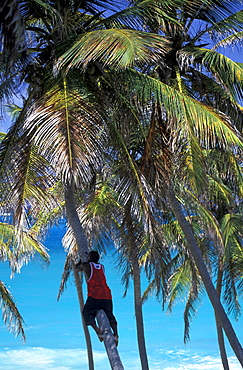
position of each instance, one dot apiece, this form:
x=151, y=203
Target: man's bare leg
x=98, y=331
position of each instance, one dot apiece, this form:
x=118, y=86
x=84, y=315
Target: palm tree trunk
x=220, y=333
x=109, y=342
x=221, y=343
x=86, y=330
x=82, y=244
x=74, y=221
x=139, y=316
x=211, y=291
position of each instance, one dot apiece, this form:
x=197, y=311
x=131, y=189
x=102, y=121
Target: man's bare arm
x=83, y=266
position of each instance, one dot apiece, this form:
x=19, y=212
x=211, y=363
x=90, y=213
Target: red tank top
x=97, y=286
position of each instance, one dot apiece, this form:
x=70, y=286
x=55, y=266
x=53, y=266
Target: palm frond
x=119, y=48
x=231, y=226
x=227, y=72
x=230, y=40
x=206, y=216
x=195, y=165
x=19, y=246
x=147, y=12
x=29, y=180
x=230, y=24
x=207, y=124
x=10, y=313
x=190, y=310
x=71, y=133
x=179, y=283
x=12, y=27
x=68, y=267
x=220, y=191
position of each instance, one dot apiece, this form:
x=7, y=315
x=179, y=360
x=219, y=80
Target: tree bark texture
x=220, y=332
x=109, y=341
x=74, y=221
x=85, y=328
x=81, y=241
x=202, y=269
x=139, y=316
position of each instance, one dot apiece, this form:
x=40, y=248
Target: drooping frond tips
x=10, y=313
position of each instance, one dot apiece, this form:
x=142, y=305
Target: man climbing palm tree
x=99, y=294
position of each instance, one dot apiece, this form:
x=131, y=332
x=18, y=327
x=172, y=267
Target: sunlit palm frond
x=224, y=69
x=179, y=283
x=230, y=24
x=48, y=214
x=71, y=133
x=207, y=124
x=114, y=47
x=29, y=178
x=10, y=313
x=69, y=244
x=231, y=40
x=18, y=247
x=194, y=165
x=210, y=92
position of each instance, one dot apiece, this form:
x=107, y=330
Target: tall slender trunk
x=220, y=333
x=139, y=316
x=86, y=330
x=82, y=244
x=109, y=341
x=74, y=221
x=211, y=291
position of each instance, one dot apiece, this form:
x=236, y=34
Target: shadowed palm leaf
x=10, y=313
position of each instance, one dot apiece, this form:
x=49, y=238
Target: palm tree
x=11, y=315
x=17, y=253
x=18, y=246
x=66, y=101
x=179, y=116
x=227, y=189
x=183, y=117
x=108, y=217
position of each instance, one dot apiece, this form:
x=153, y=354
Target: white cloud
x=39, y=358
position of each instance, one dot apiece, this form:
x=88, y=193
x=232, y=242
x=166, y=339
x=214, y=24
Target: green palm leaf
x=18, y=246
x=70, y=131
x=229, y=40
x=208, y=125
x=233, y=23
x=10, y=313
x=114, y=47
x=228, y=72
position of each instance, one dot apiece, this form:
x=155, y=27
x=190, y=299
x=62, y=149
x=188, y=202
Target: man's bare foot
x=100, y=335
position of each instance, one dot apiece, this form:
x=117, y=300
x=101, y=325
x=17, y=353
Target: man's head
x=94, y=256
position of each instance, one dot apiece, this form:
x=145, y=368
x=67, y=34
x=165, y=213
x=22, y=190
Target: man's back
x=97, y=286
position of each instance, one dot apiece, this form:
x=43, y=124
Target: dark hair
x=94, y=256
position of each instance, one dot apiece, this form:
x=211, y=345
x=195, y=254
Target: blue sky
x=55, y=338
